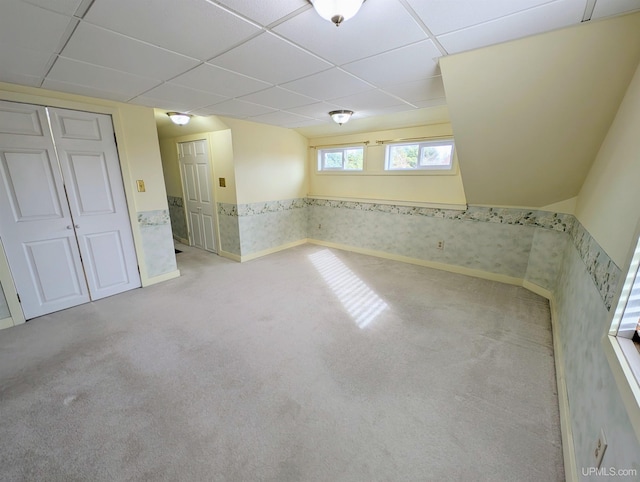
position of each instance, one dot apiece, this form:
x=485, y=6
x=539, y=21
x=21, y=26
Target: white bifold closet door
x=64, y=221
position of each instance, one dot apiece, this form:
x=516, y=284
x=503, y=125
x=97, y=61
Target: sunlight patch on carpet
x=360, y=301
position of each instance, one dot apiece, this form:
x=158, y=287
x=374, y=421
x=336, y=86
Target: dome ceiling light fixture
x=337, y=11
x=341, y=116
x=179, y=118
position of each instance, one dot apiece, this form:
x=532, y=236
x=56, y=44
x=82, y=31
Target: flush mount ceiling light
x=337, y=11
x=178, y=118
x=341, y=116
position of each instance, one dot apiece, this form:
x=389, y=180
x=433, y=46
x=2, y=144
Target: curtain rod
x=343, y=144
x=411, y=139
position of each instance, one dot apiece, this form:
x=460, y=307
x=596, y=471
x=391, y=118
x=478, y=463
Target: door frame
x=207, y=138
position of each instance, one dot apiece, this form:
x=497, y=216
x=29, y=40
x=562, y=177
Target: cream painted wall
x=530, y=115
x=170, y=166
x=270, y=162
x=567, y=206
x=374, y=183
x=609, y=201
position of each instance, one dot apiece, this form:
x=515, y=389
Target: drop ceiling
x=275, y=62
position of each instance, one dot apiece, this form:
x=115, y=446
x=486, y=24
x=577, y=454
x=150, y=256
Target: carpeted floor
x=306, y=365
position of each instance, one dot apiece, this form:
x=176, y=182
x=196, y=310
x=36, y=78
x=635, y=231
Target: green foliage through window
x=421, y=155
x=341, y=159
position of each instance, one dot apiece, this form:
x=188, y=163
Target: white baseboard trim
x=161, y=278
x=568, y=449
x=422, y=262
x=226, y=254
x=259, y=254
x=6, y=323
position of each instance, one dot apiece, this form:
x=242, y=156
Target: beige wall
x=609, y=202
x=270, y=162
x=374, y=183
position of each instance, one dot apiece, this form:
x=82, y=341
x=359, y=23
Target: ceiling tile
x=442, y=16
x=99, y=78
x=368, y=100
x=328, y=85
x=84, y=90
x=607, y=8
x=234, y=108
x=419, y=90
x=177, y=97
x=279, y=98
x=319, y=110
x=413, y=62
x=384, y=110
x=560, y=13
x=270, y=59
x=22, y=79
x=124, y=53
x=31, y=27
x=67, y=7
x=280, y=118
x=214, y=79
x=197, y=28
x=265, y=13
x=366, y=34
x=24, y=62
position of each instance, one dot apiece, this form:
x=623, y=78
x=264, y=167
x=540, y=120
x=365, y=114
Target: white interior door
x=64, y=221
x=35, y=221
x=196, y=183
x=86, y=148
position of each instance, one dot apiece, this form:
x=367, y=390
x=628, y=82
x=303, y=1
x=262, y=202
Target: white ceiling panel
x=24, y=62
x=67, y=7
x=278, y=98
x=195, y=28
x=234, y=108
x=22, y=79
x=99, y=78
x=419, y=90
x=442, y=16
x=265, y=13
x=124, y=53
x=607, y=8
x=30, y=27
x=328, y=85
x=551, y=16
x=377, y=111
x=72, y=88
x=413, y=62
x=378, y=27
x=319, y=110
x=368, y=100
x=177, y=97
x=270, y=59
x=210, y=78
x=280, y=118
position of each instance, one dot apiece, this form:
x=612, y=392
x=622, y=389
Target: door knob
x=74, y=226
x=69, y=227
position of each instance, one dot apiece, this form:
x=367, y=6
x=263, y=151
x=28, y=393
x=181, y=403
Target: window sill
x=624, y=361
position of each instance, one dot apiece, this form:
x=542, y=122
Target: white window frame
x=620, y=349
x=421, y=145
x=320, y=159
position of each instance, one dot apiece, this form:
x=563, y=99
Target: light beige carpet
x=306, y=365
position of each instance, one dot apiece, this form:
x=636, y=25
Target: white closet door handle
x=74, y=226
x=69, y=227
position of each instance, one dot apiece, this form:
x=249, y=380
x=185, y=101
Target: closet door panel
x=35, y=221
x=91, y=169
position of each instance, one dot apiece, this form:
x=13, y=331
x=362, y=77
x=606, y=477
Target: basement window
x=621, y=343
x=420, y=156
x=350, y=158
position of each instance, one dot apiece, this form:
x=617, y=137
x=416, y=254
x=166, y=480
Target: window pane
x=354, y=159
x=333, y=160
x=403, y=157
x=439, y=156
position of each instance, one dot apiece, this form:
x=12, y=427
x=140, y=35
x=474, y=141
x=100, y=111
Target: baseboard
x=568, y=450
x=181, y=240
x=161, y=278
x=226, y=254
x=476, y=273
x=6, y=323
x=259, y=254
